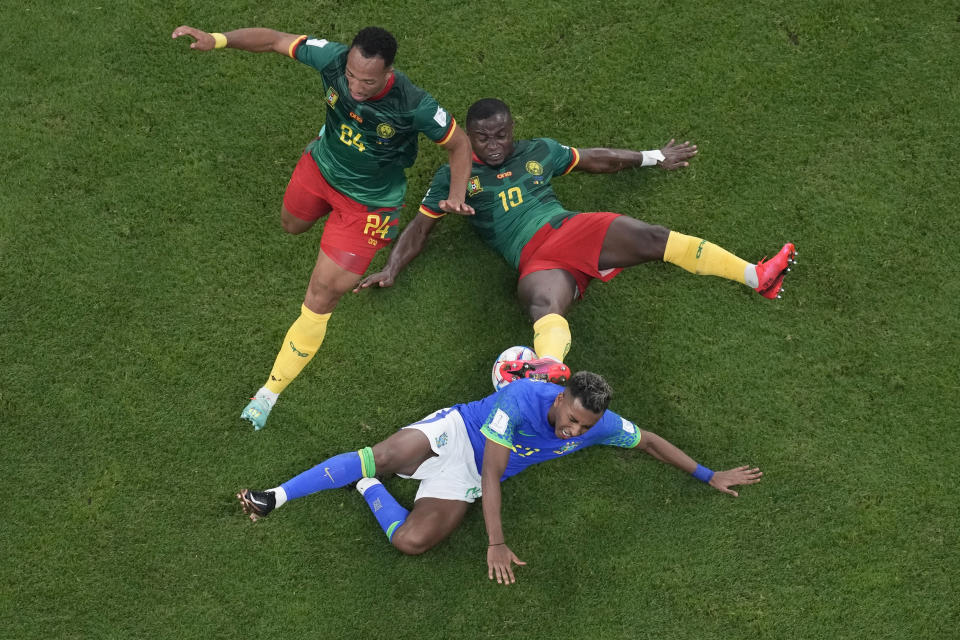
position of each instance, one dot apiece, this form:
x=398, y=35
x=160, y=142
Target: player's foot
x=257, y=504
x=546, y=369
x=774, y=291
x=770, y=272
x=256, y=413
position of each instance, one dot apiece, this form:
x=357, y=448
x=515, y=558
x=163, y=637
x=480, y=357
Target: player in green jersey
x=352, y=174
x=557, y=251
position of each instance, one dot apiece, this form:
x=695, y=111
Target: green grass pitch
x=146, y=284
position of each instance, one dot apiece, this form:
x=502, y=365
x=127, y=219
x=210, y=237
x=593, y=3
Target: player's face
x=492, y=138
x=569, y=418
x=366, y=77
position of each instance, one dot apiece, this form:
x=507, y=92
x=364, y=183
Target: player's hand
x=675, y=156
x=381, y=279
x=723, y=480
x=203, y=40
x=456, y=206
x=500, y=560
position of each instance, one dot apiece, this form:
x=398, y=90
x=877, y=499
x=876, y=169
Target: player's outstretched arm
x=602, y=160
x=409, y=245
x=666, y=452
x=500, y=558
x=459, y=155
x=255, y=39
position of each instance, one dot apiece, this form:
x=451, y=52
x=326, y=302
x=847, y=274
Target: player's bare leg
x=292, y=224
x=430, y=522
x=630, y=242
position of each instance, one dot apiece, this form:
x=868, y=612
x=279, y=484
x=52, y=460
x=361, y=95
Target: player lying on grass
x=558, y=252
x=464, y=452
x=352, y=174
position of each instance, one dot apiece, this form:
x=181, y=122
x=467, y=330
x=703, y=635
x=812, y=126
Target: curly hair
x=374, y=41
x=591, y=390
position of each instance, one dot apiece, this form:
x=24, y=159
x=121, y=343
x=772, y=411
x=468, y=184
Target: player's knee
x=540, y=306
x=411, y=542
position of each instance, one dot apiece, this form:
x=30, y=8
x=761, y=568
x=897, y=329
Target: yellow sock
x=704, y=258
x=551, y=337
x=302, y=341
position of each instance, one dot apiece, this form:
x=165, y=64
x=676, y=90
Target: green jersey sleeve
x=432, y=120
x=561, y=158
x=317, y=52
x=439, y=189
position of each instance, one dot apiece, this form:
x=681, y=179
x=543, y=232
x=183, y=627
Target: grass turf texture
x=147, y=286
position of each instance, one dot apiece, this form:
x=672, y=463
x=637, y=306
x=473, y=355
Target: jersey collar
x=386, y=88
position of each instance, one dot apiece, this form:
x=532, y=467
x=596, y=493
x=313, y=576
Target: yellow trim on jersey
x=576, y=161
x=431, y=214
x=293, y=46
x=446, y=138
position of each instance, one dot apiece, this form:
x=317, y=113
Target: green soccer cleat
x=256, y=413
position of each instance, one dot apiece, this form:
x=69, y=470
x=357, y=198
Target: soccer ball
x=513, y=353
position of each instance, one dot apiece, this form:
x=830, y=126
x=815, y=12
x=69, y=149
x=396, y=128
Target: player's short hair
x=486, y=108
x=373, y=42
x=591, y=390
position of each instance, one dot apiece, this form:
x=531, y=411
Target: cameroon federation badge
x=473, y=186
x=535, y=168
x=332, y=97
x=385, y=131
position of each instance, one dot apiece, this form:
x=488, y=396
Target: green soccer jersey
x=364, y=147
x=514, y=200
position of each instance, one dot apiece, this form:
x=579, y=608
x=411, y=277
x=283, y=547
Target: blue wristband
x=702, y=474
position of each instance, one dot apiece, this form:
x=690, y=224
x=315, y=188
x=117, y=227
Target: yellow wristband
x=219, y=40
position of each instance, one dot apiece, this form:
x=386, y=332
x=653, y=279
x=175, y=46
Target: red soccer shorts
x=574, y=247
x=354, y=232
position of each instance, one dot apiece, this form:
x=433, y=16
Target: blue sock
x=386, y=509
x=338, y=471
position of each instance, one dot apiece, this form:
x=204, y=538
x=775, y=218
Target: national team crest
x=473, y=186
x=385, y=131
x=567, y=446
x=535, y=168
x=332, y=97
x=441, y=440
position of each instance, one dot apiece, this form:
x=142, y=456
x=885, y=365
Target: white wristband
x=650, y=158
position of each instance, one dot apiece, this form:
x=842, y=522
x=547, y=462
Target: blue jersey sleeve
x=503, y=421
x=620, y=432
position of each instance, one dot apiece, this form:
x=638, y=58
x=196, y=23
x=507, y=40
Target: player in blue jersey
x=463, y=452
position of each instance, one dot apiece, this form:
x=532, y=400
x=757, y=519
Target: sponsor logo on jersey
x=385, y=131
x=472, y=492
x=442, y=440
x=356, y=117
x=440, y=117
x=473, y=186
x=505, y=174
x=332, y=97
x=535, y=168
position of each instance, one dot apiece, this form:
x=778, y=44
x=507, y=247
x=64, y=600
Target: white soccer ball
x=513, y=353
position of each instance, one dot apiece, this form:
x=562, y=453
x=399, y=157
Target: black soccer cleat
x=257, y=504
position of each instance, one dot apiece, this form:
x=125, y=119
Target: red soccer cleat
x=770, y=273
x=546, y=369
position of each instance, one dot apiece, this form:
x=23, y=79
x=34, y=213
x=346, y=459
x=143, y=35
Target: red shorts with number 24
x=354, y=232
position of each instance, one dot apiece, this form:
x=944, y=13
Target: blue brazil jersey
x=516, y=417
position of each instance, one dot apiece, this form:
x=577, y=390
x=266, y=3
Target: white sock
x=265, y=394
x=280, y=495
x=365, y=483
x=750, y=276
